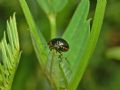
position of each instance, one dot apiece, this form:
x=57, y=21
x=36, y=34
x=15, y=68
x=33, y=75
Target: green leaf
x=79, y=16
x=10, y=55
x=52, y=6
x=78, y=45
x=90, y=46
x=80, y=28
x=58, y=77
x=37, y=38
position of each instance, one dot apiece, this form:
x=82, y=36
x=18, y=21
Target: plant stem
x=52, y=19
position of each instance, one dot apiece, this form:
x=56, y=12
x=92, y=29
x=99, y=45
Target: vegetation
x=79, y=26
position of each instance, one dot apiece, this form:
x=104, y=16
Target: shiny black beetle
x=59, y=44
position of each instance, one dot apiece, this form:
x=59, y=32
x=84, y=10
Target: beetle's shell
x=58, y=44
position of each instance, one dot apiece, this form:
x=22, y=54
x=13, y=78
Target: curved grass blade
x=77, y=27
x=78, y=18
x=77, y=45
x=95, y=31
x=80, y=27
x=37, y=38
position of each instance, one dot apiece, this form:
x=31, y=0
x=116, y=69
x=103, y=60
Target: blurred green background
x=103, y=71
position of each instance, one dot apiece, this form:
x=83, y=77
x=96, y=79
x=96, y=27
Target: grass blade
x=95, y=31
x=79, y=16
x=38, y=39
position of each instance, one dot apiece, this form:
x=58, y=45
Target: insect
x=59, y=44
